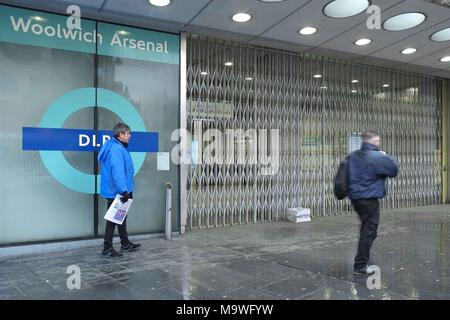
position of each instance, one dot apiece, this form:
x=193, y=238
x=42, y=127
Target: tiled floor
x=264, y=261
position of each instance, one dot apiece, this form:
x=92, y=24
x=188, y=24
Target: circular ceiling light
x=443, y=35
x=228, y=64
x=385, y=85
x=345, y=8
x=445, y=59
x=354, y=91
x=249, y=79
x=241, y=17
x=306, y=31
x=404, y=21
x=354, y=81
x=409, y=51
x=159, y=3
x=317, y=76
x=323, y=87
x=204, y=73
x=363, y=42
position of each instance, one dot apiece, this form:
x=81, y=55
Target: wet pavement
x=282, y=260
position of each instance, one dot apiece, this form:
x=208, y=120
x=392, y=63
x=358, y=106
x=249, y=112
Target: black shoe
x=111, y=253
x=363, y=271
x=129, y=247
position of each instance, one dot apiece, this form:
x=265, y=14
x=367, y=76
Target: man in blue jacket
x=367, y=170
x=117, y=178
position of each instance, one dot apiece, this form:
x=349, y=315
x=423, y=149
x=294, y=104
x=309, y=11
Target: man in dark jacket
x=367, y=171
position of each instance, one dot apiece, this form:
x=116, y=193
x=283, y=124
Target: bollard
x=168, y=211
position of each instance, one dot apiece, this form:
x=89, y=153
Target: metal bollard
x=168, y=211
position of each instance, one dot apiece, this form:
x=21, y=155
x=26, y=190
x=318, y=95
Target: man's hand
x=124, y=197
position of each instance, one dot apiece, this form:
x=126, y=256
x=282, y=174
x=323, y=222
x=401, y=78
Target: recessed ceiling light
x=241, y=17
x=354, y=81
x=445, y=59
x=159, y=3
x=249, y=79
x=404, y=21
x=204, y=73
x=345, y=8
x=409, y=50
x=385, y=85
x=228, y=64
x=323, y=87
x=306, y=31
x=354, y=91
x=363, y=42
x=317, y=76
x=443, y=35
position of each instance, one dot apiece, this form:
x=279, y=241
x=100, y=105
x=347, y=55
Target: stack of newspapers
x=298, y=215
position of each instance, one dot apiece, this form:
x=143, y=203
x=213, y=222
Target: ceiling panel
x=432, y=60
x=179, y=10
x=311, y=15
x=420, y=41
x=56, y=5
x=264, y=15
x=382, y=38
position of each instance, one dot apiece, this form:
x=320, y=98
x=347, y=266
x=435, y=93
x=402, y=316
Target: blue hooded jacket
x=367, y=171
x=117, y=169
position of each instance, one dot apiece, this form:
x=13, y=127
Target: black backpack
x=340, y=181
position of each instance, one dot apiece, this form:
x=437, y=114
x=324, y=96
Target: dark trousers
x=369, y=214
x=110, y=228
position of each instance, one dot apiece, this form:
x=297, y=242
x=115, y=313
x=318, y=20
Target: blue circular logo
x=62, y=109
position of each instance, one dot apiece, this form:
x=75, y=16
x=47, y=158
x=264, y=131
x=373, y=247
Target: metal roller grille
x=267, y=89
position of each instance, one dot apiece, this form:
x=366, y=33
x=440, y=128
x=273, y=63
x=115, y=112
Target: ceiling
x=276, y=25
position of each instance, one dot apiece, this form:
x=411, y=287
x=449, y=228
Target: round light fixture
x=317, y=76
x=354, y=91
x=409, y=51
x=443, y=35
x=204, y=73
x=355, y=81
x=404, y=21
x=363, y=42
x=248, y=79
x=159, y=3
x=306, y=31
x=323, y=87
x=345, y=8
x=385, y=85
x=228, y=64
x=241, y=17
x=445, y=59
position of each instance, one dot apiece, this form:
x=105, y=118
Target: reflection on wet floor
x=279, y=260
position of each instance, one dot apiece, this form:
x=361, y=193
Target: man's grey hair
x=369, y=135
x=120, y=128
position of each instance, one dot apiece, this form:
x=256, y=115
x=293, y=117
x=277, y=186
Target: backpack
x=340, y=181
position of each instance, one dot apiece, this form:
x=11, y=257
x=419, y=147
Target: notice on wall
x=354, y=142
x=163, y=161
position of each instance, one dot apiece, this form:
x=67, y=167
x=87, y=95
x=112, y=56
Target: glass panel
x=37, y=207
x=152, y=88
